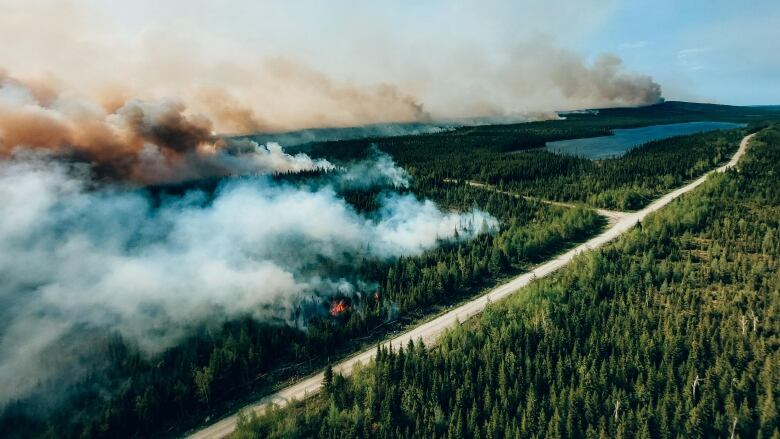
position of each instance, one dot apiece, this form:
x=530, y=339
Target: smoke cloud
x=82, y=251
x=107, y=258
x=142, y=141
x=281, y=80
x=531, y=78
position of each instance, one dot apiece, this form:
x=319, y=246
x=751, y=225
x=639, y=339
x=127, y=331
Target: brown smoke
x=345, y=104
x=229, y=113
x=604, y=83
x=279, y=95
x=121, y=143
x=278, y=86
x=165, y=125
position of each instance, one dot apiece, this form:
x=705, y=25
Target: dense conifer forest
x=672, y=331
x=219, y=368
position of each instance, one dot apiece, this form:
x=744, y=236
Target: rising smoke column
x=531, y=80
x=77, y=254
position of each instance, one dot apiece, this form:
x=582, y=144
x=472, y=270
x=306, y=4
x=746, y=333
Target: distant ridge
x=691, y=109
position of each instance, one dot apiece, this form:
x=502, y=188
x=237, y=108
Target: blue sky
x=723, y=51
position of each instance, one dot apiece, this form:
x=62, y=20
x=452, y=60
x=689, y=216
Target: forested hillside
x=672, y=331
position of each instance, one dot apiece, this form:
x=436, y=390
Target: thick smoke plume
x=288, y=80
x=530, y=79
x=530, y=82
x=84, y=252
x=147, y=142
x=75, y=256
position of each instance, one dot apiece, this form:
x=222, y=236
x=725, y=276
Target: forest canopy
x=674, y=330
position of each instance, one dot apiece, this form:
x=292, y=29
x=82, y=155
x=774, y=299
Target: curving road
x=430, y=331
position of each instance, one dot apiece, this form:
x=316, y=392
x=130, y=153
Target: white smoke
x=244, y=156
x=110, y=259
x=410, y=226
x=379, y=169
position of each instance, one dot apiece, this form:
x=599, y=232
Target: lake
x=622, y=140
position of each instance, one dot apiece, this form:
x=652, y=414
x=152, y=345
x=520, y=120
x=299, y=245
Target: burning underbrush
x=340, y=307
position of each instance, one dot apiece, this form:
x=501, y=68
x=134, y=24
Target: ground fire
x=339, y=307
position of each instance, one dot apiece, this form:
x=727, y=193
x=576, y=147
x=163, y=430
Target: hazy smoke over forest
x=74, y=256
x=279, y=95
x=83, y=246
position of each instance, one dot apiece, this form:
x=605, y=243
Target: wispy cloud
x=692, y=59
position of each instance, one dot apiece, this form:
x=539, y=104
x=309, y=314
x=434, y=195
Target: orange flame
x=338, y=307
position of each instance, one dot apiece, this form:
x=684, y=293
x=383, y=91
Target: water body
x=622, y=140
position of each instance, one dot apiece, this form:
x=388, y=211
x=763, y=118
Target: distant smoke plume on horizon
x=521, y=88
x=240, y=91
